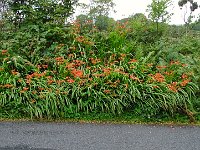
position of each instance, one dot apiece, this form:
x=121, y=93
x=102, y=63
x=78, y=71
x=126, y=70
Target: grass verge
x=105, y=118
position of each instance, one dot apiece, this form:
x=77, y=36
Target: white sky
x=125, y=8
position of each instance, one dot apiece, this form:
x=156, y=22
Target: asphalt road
x=76, y=136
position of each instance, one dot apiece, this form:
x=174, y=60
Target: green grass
x=105, y=118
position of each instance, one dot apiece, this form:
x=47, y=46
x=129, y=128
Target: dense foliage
x=50, y=69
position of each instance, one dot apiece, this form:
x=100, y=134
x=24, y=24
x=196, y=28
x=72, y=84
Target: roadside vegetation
x=138, y=68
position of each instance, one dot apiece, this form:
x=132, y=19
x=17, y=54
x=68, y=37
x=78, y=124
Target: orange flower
x=33, y=101
x=59, y=82
x=89, y=43
x=59, y=60
x=132, y=61
x=98, y=75
x=173, y=86
x=50, y=81
x=82, y=82
x=3, y=52
x=134, y=78
x=39, y=66
x=8, y=85
x=40, y=89
x=184, y=76
x=184, y=82
x=49, y=77
x=175, y=63
x=94, y=61
x=24, y=90
x=161, y=67
x=159, y=77
x=60, y=46
x=150, y=65
x=106, y=91
x=19, y=80
x=29, y=76
x=14, y=72
x=28, y=81
x=35, y=74
x=45, y=66
x=184, y=65
x=34, y=92
x=71, y=56
x=113, y=63
x=122, y=56
x=1, y=69
x=70, y=65
x=90, y=79
x=82, y=53
x=70, y=80
x=80, y=39
x=132, y=67
x=72, y=48
x=88, y=67
x=168, y=73
x=155, y=87
x=107, y=71
x=78, y=63
x=77, y=73
x=126, y=86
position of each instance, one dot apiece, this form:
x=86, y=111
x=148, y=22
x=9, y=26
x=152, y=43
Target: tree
x=98, y=11
x=101, y=7
x=158, y=11
x=3, y=8
x=40, y=11
x=104, y=23
x=192, y=7
x=138, y=16
x=188, y=15
x=86, y=23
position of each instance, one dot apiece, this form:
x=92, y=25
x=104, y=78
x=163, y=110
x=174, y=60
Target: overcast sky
x=125, y=8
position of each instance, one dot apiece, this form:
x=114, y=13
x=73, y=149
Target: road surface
x=77, y=136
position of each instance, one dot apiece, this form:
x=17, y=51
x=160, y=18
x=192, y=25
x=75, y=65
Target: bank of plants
x=82, y=75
